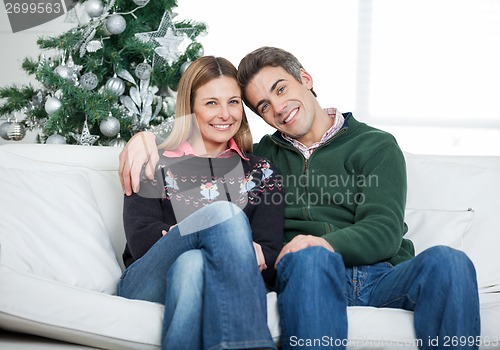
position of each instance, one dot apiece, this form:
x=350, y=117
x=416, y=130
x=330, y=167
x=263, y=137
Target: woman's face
x=219, y=110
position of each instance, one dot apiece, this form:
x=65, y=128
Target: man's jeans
x=204, y=270
x=314, y=289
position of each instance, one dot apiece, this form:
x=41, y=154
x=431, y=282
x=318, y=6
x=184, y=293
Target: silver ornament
x=64, y=72
x=110, y=126
x=169, y=105
x=4, y=130
x=116, y=24
x=16, y=131
x=94, y=8
x=115, y=86
x=89, y=81
x=56, y=139
x=118, y=142
x=143, y=71
x=184, y=66
x=52, y=105
x=141, y=2
x=197, y=47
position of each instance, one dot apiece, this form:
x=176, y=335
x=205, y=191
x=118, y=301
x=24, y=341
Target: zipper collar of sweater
x=278, y=138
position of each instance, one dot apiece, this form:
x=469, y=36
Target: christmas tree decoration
x=116, y=24
x=52, y=105
x=56, y=139
x=115, y=86
x=143, y=71
x=89, y=81
x=16, y=131
x=184, y=66
x=4, y=129
x=85, y=138
x=166, y=40
x=94, y=8
x=110, y=126
x=118, y=142
x=84, y=74
x=141, y=2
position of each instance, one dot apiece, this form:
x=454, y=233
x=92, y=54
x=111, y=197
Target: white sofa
x=61, y=240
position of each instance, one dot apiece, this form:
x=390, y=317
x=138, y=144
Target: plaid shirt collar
x=338, y=121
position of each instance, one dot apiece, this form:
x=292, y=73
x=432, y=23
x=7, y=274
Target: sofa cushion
x=431, y=227
x=51, y=228
x=458, y=183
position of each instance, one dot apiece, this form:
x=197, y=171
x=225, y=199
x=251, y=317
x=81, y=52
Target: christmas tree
x=108, y=78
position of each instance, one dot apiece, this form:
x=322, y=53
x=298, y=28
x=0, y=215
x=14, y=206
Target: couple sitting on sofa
x=191, y=227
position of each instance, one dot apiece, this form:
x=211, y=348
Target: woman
x=204, y=235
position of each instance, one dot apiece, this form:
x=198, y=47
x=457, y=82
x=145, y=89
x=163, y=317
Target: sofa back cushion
x=461, y=184
x=53, y=225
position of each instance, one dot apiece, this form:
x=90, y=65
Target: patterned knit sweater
x=184, y=184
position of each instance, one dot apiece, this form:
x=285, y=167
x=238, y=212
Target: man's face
x=283, y=102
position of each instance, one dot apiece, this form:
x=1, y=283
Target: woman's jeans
x=204, y=271
x=314, y=288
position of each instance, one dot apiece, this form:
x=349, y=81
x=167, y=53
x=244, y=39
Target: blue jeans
x=439, y=285
x=226, y=309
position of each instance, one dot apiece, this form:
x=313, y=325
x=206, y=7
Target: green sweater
x=351, y=192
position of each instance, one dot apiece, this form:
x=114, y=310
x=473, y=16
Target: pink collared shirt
x=185, y=149
x=338, y=121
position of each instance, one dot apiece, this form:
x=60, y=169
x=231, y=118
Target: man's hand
x=301, y=242
x=261, y=261
x=141, y=149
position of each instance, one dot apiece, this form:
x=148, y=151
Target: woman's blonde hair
x=199, y=73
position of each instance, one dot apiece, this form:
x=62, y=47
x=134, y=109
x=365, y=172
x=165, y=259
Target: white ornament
x=115, y=86
x=184, y=66
x=4, y=130
x=85, y=139
x=141, y=2
x=110, y=126
x=89, y=81
x=64, y=72
x=16, y=131
x=118, y=142
x=167, y=39
x=52, y=105
x=143, y=71
x=116, y=24
x=94, y=8
x=56, y=139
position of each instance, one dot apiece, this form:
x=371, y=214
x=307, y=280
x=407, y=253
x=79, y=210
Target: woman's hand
x=261, y=261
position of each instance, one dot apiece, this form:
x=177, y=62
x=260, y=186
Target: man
x=345, y=196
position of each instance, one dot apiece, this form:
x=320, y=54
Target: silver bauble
x=89, y=81
x=64, y=72
x=94, y=8
x=169, y=105
x=141, y=2
x=200, y=51
x=184, y=66
x=115, y=86
x=110, y=126
x=4, y=130
x=143, y=71
x=56, y=139
x=118, y=142
x=116, y=24
x=16, y=131
x=52, y=105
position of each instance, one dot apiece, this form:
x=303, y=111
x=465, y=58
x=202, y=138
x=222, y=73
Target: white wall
x=425, y=70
